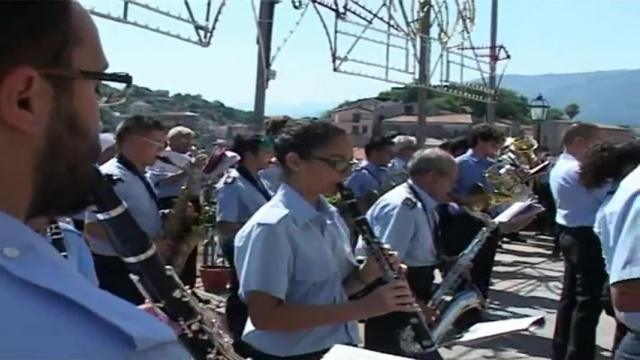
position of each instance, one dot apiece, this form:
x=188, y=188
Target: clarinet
x=416, y=339
x=200, y=333
x=55, y=234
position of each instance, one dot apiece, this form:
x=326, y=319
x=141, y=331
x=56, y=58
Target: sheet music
x=487, y=330
x=344, y=352
x=519, y=210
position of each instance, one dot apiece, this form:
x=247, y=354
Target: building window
x=365, y=129
x=357, y=117
x=355, y=130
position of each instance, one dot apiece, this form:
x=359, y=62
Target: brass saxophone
x=470, y=298
x=181, y=231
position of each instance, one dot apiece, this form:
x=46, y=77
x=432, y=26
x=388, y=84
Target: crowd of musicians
x=303, y=279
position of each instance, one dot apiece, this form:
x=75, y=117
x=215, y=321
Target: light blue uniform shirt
x=78, y=253
x=405, y=223
x=576, y=206
x=272, y=177
x=471, y=169
x=301, y=255
x=141, y=205
x=238, y=198
x=618, y=227
x=366, y=179
x=49, y=311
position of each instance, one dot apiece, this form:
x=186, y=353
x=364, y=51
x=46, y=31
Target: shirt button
x=11, y=252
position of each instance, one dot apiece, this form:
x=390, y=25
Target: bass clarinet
x=201, y=333
x=415, y=339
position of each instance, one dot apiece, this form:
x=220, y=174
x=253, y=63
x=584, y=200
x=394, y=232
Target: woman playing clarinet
x=294, y=259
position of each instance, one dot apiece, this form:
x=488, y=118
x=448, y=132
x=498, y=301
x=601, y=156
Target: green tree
x=572, y=110
x=555, y=114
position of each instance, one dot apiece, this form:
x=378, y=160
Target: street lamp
x=539, y=110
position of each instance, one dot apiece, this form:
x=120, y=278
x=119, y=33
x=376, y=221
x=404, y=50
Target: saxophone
x=416, y=338
x=201, y=330
x=449, y=312
x=183, y=233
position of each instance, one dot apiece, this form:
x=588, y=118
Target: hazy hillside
x=604, y=96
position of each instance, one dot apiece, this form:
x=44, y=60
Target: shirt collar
x=567, y=157
x=425, y=198
x=17, y=230
x=301, y=210
x=474, y=156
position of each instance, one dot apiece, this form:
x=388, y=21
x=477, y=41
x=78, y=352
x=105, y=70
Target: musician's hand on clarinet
x=371, y=270
x=430, y=314
x=391, y=297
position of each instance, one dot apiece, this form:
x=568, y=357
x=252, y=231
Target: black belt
x=575, y=228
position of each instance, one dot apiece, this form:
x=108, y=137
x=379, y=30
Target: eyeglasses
x=338, y=164
x=112, y=90
x=158, y=144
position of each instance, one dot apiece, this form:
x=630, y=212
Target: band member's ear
x=294, y=162
x=24, y=99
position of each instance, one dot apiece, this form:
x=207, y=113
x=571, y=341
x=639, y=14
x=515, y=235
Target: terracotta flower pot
x=216, y=278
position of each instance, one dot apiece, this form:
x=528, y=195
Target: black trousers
x=113, y=276
x=382, y=333
x=236, y=311
x=581, y=299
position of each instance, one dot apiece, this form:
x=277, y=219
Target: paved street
x=527, y=282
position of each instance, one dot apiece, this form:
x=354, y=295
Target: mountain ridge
x=606, y=96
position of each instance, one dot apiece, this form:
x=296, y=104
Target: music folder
x=479, y=332
x=344, y=352
x=491, y=329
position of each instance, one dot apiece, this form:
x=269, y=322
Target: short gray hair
x=180, y=130
x=427, y=160
x=403, y=142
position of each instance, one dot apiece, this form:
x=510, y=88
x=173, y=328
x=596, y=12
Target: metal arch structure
x=203, y=29
x=381, y=41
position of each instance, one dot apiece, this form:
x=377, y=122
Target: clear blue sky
x=543, y=36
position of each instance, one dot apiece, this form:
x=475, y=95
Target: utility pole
x=493, y=60
x=263, y=73
x=424, y=71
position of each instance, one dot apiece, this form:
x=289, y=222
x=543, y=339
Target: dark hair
x=604, y=162
x=485, y=133
x=377, y=144
x=459, y=145
x=35, y=33
x=304, y=138
x=274, y=125
x=137, y=125
x=243, y=144
x=579, y=130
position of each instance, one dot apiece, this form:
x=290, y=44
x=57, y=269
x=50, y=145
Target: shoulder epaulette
x=113, y=179
x=230, y=177
x=409, y=202
x=273, y=216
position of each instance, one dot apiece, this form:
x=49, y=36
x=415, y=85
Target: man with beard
x=51, y=65
x=139, y=140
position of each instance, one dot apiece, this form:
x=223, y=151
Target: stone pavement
x=526, y=281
